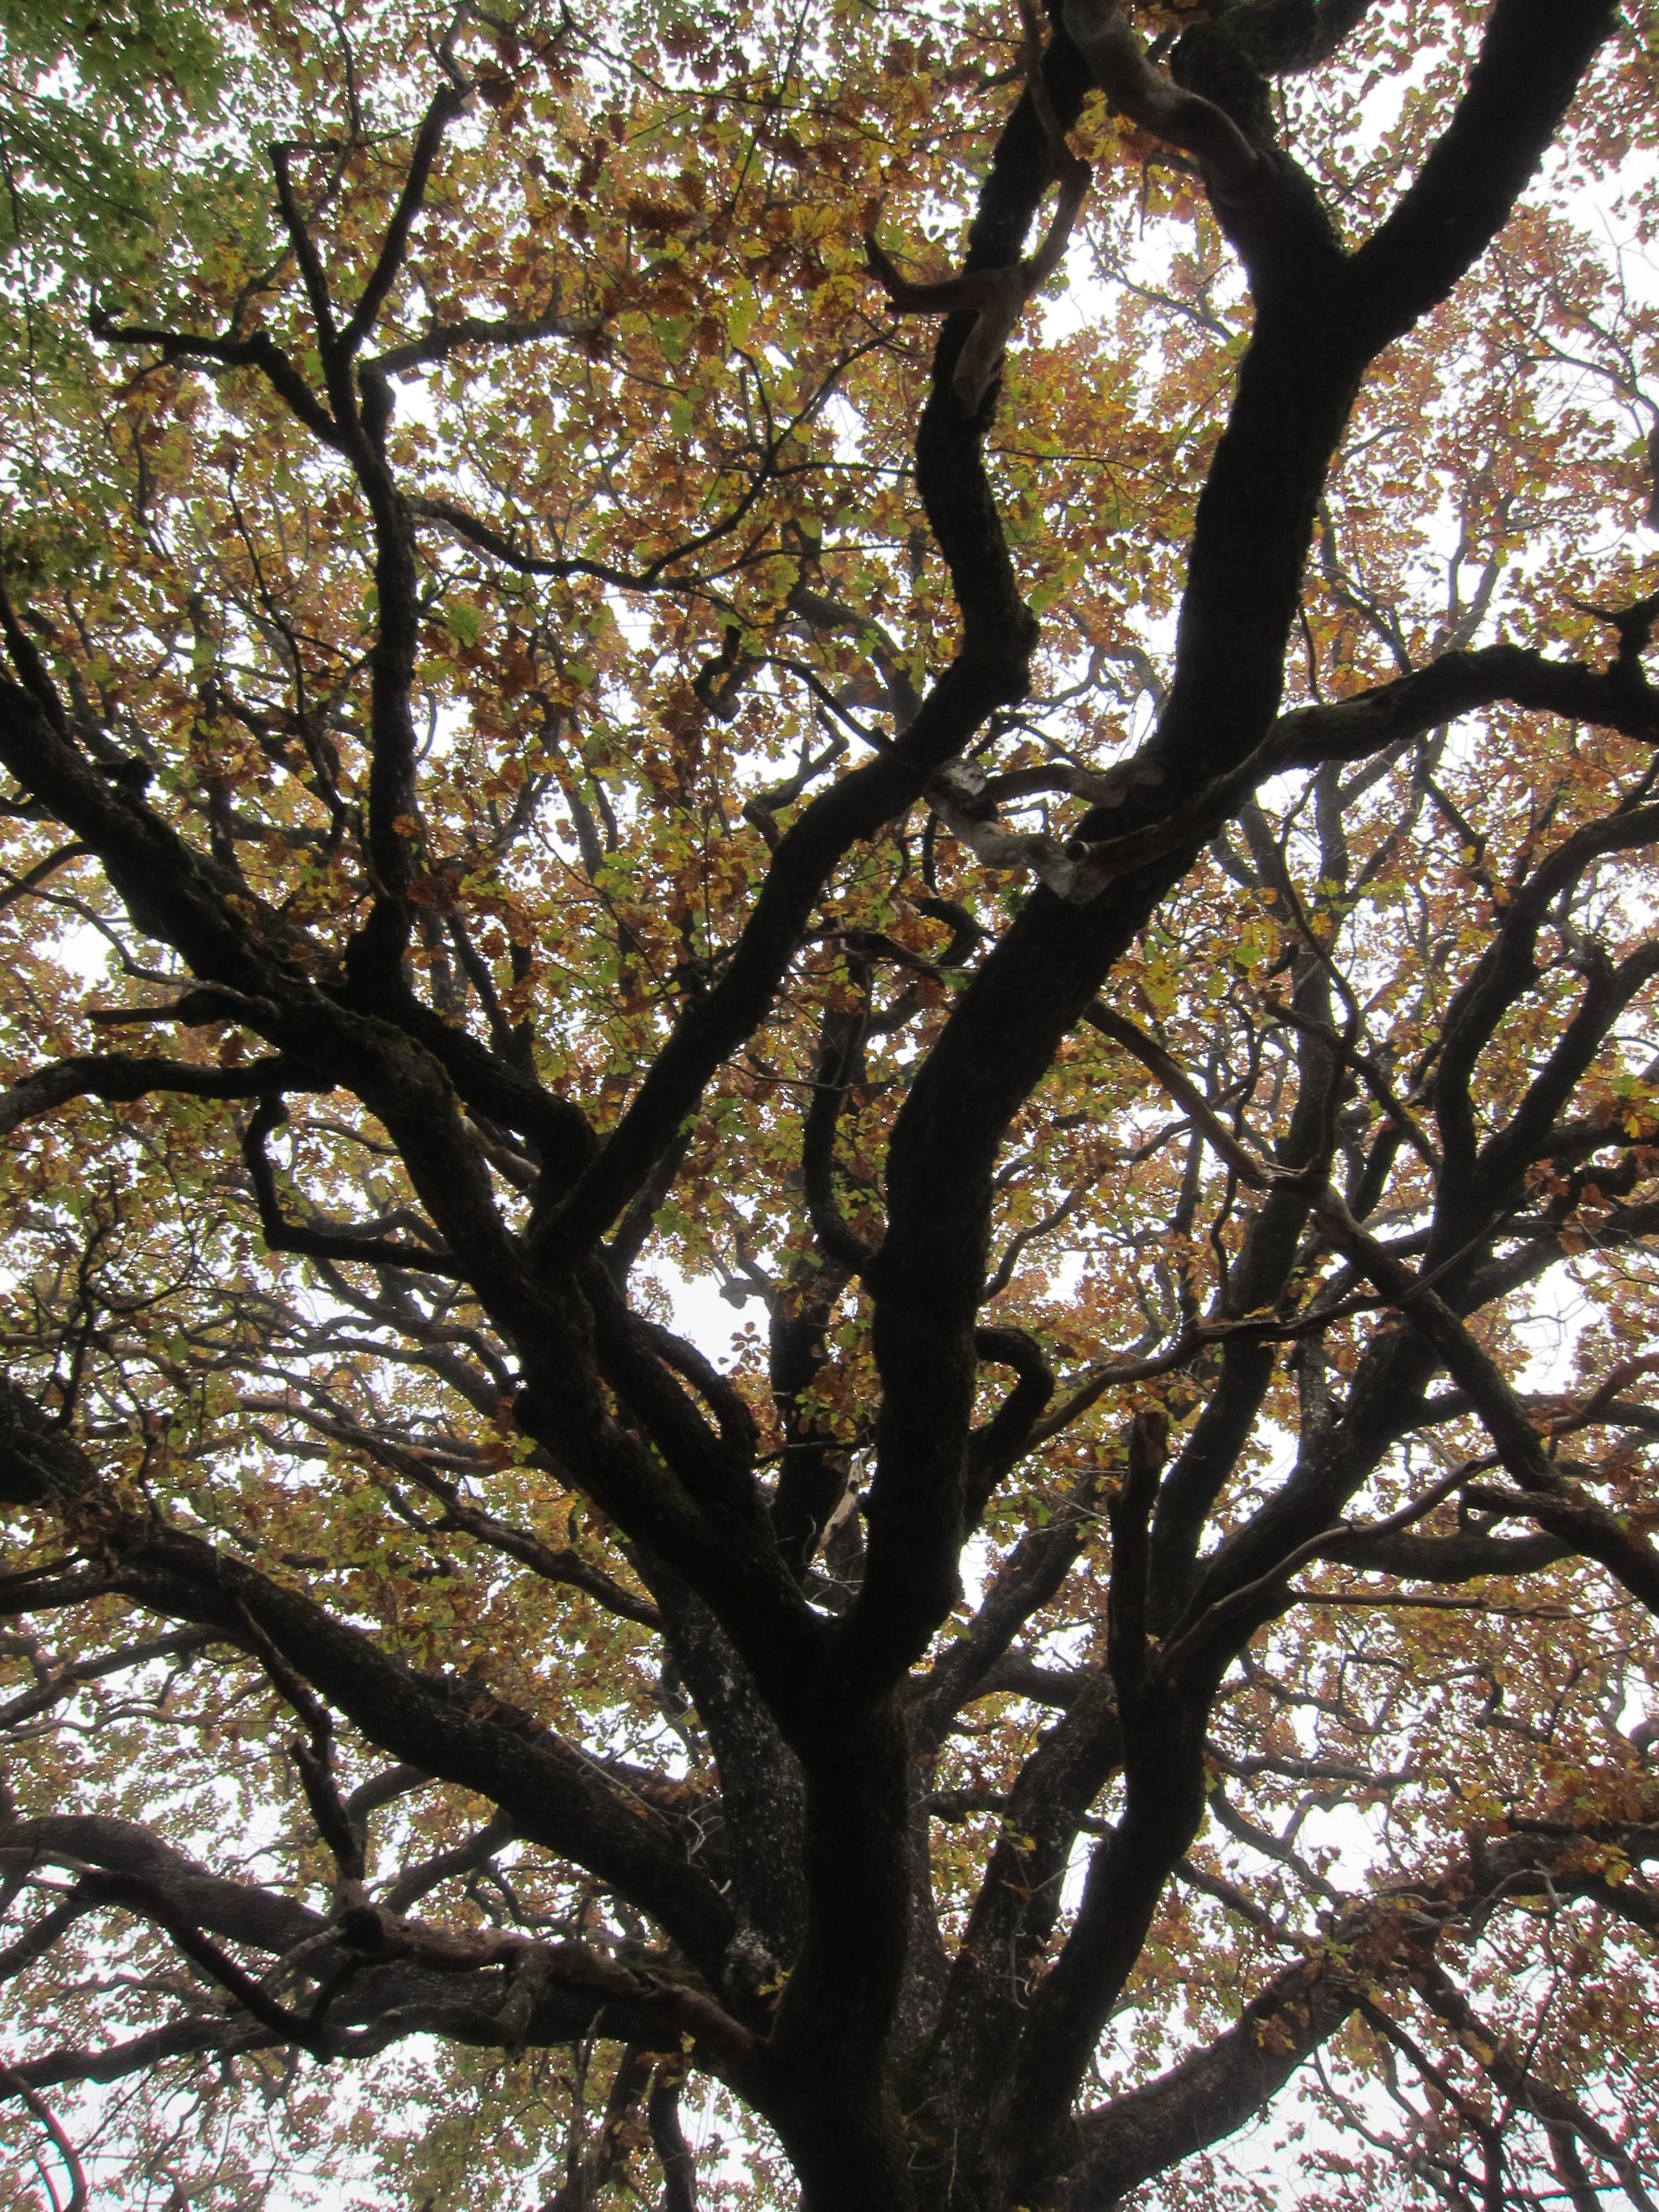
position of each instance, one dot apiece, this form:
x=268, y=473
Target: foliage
x=590, y=733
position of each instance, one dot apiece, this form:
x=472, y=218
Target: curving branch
x=1135, y=87
x=997, y=298
x=1533, y=59
x=13, y=2084
x=337, y=1243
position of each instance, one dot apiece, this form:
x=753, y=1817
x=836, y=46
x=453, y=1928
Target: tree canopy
x=832, y=1141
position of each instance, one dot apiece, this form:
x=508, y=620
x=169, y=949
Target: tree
x=1085, y=853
